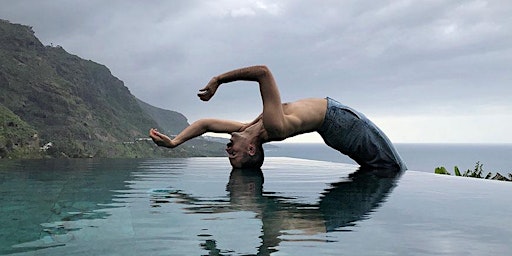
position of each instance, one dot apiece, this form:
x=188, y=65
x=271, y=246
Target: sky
x=423, y=71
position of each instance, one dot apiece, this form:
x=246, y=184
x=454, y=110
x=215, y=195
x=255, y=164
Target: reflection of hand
x=160, y=139
x=209, y=90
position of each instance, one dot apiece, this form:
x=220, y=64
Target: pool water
x=199, y=206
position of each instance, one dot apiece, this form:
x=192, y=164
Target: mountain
x=170, y=122
x=55, y=104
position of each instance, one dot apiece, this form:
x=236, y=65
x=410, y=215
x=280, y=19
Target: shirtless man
x=341, y=127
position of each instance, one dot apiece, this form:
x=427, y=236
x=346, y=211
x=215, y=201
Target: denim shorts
x=354, y=135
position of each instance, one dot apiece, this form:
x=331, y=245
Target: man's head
x=245, y=186
x=245, y=152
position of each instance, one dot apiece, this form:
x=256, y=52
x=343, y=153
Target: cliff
x=55, y=104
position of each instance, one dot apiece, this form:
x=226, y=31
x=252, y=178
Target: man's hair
x=255, y=161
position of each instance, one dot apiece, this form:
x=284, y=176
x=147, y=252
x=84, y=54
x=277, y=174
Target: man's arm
x=195, y=129
x=273, y=115
x=257, y=119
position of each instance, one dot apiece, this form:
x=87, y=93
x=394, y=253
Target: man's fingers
x=155, y=135
x=205, y=96
x=153, y=132
x=203, y=91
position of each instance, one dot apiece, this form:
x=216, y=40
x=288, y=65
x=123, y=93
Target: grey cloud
x=379, y=56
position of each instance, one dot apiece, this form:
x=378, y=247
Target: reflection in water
x=182, y=207
x=349, y=201
x=340, y=206
x=41, y=199
x=59, y=207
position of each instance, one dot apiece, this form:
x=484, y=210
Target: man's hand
x=161, y=139
x=209, y=90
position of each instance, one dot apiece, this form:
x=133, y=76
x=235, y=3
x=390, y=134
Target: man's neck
x=257, y=131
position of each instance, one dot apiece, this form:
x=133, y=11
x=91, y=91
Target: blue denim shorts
x=354, y=135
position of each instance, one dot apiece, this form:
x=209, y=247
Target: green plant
x=442, y=170
x=475, y=173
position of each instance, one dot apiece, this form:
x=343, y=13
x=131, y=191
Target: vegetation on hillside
x=17, y=138
x=55, y=104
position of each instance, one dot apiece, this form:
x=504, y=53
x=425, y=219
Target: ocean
x=418, y=157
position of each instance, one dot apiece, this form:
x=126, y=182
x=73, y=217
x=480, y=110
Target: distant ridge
x=170, y=122
x=55, y=104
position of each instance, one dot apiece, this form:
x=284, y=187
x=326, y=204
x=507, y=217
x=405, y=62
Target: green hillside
x=78, y=106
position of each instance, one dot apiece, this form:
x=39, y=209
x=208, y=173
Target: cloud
x=390, y=59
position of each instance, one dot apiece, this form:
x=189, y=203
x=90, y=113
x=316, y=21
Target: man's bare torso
x=302, y=116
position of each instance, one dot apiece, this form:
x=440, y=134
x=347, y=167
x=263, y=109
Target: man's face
x=236, y=149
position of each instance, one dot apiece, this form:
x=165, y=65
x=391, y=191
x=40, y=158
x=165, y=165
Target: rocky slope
x=55, y=104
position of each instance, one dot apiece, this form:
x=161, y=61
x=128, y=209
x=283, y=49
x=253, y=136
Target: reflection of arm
x=196, y=129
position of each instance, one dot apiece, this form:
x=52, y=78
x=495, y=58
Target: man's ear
x=252, y=150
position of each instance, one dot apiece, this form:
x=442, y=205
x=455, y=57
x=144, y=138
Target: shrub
x=475, y=173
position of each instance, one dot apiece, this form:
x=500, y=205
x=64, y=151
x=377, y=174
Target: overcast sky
x=424, y=71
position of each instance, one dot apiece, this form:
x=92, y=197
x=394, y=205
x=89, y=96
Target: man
x=341, y=127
